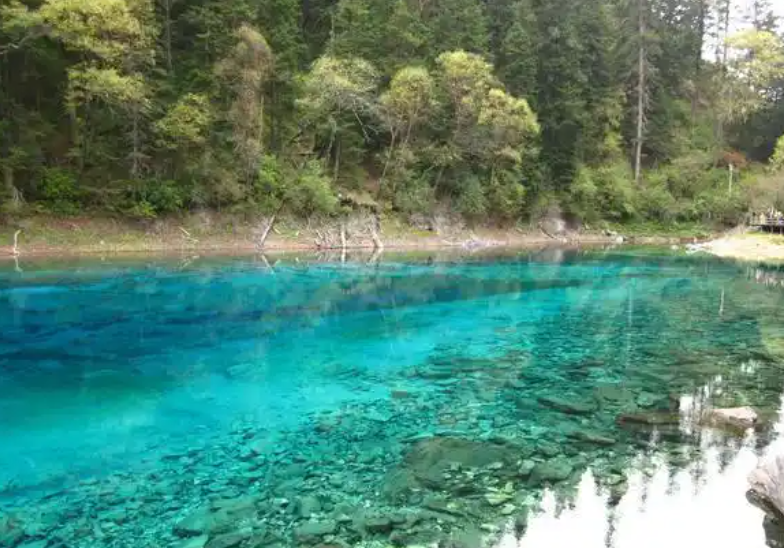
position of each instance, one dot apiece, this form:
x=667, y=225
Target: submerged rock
x=308, y=506
x=649, y=419
x=647, y=400
x=375, y=524
x=589, y=436
x=442, y=506
x=314, y=530
x=195, y=542
x=35, y=544
x=400, y=394
x=774, y=532
x=548, y=449
x=569, y=406
x=497, y=498
x=431, y=462
x=736, y=417
x=230, y=540
x=204, y=521
x=553, y=471
x=11, y=532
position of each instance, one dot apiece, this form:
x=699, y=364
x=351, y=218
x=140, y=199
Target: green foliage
x=164, y=196
x=335, y=85
x=757, y=62
x=505, y=127
x=517, y=56
x=88, y=83
x=150, y=198
x=764, y=190
x=338, y=96
x=654, y=200
x=471, y=201
x=409, y=100
x=505, y=196
x=141, y=210
x=303, y=190
x=311, y=192
x=269, y=188
x=59, y=191
x=105, y=28
x=496, y=109
x=777, y=160
x=186, y=122
x=603, y=192
x=413, y=194
x=466, y=78
x=244, y=73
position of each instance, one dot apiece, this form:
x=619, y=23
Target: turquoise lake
x=540, y=399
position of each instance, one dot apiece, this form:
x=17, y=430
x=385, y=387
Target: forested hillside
x=497, y=110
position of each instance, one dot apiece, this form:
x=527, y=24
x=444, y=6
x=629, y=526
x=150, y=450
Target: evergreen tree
x=145, y=107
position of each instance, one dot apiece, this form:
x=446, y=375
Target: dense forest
x=494, y=110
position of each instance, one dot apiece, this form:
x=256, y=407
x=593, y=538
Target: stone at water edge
x=766, y=488
x=738, y=417
x=774, y=533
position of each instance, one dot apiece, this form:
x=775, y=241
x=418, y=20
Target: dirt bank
x=216, y=233
x=42, y=236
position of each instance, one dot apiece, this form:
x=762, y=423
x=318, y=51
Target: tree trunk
x=167, y=36
x=135, y=142
x=701, y=20
x=731, y=177
x=15, y=250
x=726, y=33
x=722, y=53
x=267, y=229
x=641, y=68
x=336, y=170
x=375, y=228
x=8, y=182
x=343, y=244
x=388, y=160
x=76, y=136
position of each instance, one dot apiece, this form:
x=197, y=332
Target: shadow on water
x=539, y=399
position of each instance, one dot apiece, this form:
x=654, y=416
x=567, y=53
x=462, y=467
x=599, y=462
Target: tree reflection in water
x=701, y=505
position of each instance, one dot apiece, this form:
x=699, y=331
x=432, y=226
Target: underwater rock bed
x=405, y=405
x=426, y=465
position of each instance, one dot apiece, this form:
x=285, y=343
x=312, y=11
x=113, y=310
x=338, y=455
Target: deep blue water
x=474, y=400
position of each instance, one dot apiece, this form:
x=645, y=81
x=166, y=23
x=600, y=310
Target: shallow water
x=498, y=401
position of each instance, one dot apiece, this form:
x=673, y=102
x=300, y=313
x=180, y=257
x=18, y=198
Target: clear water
x=472, y=401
